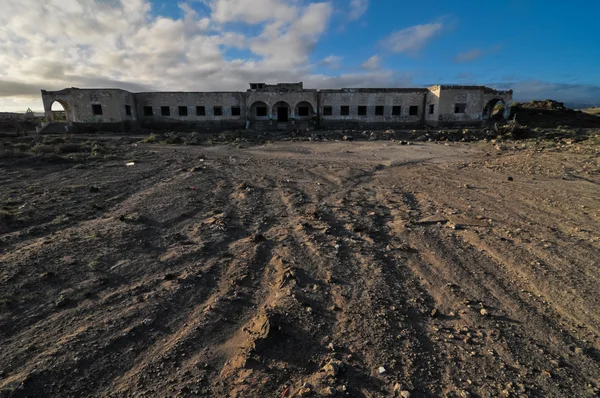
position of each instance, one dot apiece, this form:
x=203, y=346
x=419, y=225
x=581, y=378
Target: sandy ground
x=362, y=269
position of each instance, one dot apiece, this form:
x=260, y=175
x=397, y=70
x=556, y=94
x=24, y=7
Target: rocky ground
x=288, y=269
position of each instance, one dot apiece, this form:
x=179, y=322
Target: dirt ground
x=362, y=269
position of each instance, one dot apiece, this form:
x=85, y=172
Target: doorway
x=282, y=114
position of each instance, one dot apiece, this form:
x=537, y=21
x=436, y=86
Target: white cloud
x=357, y=9
x=411, y=40
x=332, y=62
x=125, y=44
x=372, y=63
x=476, y=53
x=252, y=12
x=469, y=55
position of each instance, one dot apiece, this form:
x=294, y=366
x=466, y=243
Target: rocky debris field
x=300, y=269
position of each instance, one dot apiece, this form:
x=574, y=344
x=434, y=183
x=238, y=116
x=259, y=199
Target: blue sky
x=541, y=49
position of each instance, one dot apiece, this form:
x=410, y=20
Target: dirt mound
x=550, y=114
x=548, y=104
x=300, y=269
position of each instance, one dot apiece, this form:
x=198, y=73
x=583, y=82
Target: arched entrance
x=258, y=111
x=495, y=109
x=304, y=111
x=281, y=110
x=59, y=111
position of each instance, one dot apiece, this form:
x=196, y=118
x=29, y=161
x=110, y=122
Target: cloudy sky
x=540, y=48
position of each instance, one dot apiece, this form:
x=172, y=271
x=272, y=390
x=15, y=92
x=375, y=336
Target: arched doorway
x=258, y=111
x=59, y=111
x=281, y=110
x=495, y=109
x=304, y=111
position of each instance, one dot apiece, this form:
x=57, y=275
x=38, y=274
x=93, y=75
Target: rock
x=381, y=370
x=510, y=178
x=403, y=143
x=333, y=368
x=405, y=394
x=348, y=138
x=484, y=312
x=434, y=219
x=331, y=347
x=329, y=391
x=434, y=312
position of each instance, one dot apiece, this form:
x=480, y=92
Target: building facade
x=282, y=106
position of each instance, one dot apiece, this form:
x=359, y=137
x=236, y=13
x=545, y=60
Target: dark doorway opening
x=282, y=114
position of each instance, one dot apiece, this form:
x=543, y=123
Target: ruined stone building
x=281, y=106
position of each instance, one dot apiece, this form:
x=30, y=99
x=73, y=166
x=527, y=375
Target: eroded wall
x=272, y=98
x=371, y=98
x=78, y=104
x=434, y=106
x=474, y=97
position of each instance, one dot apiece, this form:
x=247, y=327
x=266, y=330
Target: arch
x=259, y=110
x=59, y=113
x=281, y=111
x=304, y=110
x=489, y=110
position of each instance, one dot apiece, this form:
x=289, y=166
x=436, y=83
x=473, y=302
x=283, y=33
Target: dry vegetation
x=261, y=268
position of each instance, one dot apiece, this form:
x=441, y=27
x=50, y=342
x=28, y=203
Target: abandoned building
x=280, y=106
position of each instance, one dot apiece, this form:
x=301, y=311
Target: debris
x=381, y=370
x=130, y=164
x=333, y=368
x=434, y=219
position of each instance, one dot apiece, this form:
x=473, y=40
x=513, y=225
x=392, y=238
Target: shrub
x=68, y=148
x=43, y=148
x=22, y=146
x=151, y=139
x=173, y=138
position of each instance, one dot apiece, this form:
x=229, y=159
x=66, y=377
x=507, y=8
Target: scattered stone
x=381, y=370
x=434, y=219
x=333, y=368
x=258, y=238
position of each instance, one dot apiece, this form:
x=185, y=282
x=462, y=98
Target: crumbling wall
x=290, y=98
x=371, y=99
x=460, y=105
x=371, y=108
x=79, y=104
x=432, y=106
x=217, y=109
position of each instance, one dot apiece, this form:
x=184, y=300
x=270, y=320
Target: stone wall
x=90, y=105
x=262, y=107
x=345, y=107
